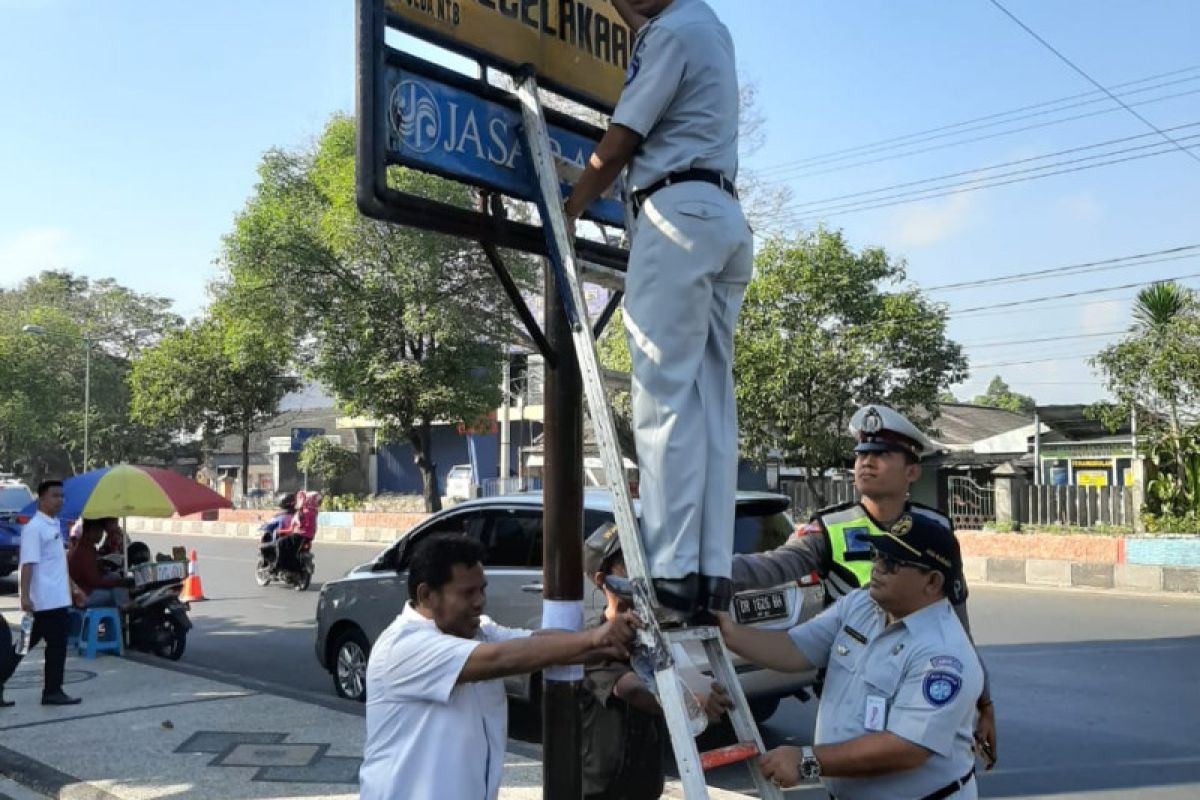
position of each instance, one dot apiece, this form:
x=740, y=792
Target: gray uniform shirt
x=681, y=95
x=918, y=678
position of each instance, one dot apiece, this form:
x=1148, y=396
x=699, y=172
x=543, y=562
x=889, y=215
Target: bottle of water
x=643, y=666
x=25, y=634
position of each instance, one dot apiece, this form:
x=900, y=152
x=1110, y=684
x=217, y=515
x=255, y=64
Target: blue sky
x=132, y=130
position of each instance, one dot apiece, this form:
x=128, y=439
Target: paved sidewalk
x=146, y=732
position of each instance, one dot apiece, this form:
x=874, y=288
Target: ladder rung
x=700, y=633
x=617, y=379
x=600, y=275
x=733, y=754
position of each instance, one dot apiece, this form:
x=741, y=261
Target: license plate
x=760, y=607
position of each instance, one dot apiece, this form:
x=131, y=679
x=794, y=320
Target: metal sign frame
x=377, y=200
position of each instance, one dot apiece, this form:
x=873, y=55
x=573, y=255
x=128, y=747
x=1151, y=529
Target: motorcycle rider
x=279, y=526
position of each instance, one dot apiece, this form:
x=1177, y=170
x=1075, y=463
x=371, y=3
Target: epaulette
x=936, y=513
x=835, y=508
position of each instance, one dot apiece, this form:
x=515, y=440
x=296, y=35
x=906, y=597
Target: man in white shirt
x=437, y=713
x=46, y=588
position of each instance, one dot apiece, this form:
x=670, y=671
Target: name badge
x=875, y=718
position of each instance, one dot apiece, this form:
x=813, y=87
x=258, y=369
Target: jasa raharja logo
x=415, y=117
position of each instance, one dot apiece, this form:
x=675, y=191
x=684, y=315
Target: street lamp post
x=88, y=343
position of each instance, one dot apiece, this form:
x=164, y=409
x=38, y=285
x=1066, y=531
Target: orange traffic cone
x=191, y=584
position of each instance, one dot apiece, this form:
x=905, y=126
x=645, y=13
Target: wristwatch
x=810, y=767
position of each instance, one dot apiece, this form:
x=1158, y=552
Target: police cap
x=922, y=540
x=880, y=429
x=601, y=545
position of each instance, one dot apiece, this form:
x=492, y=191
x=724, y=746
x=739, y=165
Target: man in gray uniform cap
x=834, y=543
x=899, y=706
x=676, y=128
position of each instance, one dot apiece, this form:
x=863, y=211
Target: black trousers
x=8, y=655
x=52, y=626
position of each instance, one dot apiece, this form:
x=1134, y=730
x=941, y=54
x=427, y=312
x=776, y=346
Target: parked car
x=354, y=610
x=14, y=496
x=458, y=482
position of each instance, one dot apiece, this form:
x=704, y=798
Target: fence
x=1080, y=506
x=495, y=487
x=806, y=501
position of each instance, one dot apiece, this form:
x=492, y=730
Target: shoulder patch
x=940, y=687
x=948, y=662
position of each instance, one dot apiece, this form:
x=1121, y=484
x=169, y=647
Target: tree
x=404, y=326
x=823, y=330
x=327, y=462
x=999, y=395
x=42, y=376
x=1155, y=370
x=216, y=377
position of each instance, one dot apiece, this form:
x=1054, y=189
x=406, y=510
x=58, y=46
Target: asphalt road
x=1097, y=695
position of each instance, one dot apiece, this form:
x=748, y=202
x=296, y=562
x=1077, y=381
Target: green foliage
x=327, y=462
x=403, y=326
x=825, y=329
x=1155, y=369
x=42, y=376
x=999, y=395
x=217, y=376
x=1171, y=523
x=342, y=502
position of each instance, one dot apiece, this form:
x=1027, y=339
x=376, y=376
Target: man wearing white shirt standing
x=437, y=713
x=46, y=588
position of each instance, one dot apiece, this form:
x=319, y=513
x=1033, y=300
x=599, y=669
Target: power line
x=902, y=140
x=983, y=182
x=1093, y=81
x=1014, y=342
x=785, y=218
x=1067, y=295
x=1064, y=357
x=991, y=167
x=801, y=173
x=1073, y=269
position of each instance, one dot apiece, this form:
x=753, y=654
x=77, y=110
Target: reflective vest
x=850, y=551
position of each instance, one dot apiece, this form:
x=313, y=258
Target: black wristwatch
x=810, y=767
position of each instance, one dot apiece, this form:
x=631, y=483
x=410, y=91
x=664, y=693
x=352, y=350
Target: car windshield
x=14, y=498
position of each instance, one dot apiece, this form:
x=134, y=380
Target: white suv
x=458, y=482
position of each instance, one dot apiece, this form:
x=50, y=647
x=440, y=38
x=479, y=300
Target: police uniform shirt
x=681, y=95
x=918, y=678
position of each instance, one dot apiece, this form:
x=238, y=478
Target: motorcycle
x=287, y=560
x=158, y=620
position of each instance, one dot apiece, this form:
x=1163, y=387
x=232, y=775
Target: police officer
x=676, y=128
x=834, y=543
x=898, y=711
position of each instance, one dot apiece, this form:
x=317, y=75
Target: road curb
x=1088, y=575
x=47, y=780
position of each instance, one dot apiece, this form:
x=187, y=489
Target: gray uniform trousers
x=692, y=255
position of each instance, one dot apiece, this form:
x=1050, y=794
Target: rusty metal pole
x=562, y=524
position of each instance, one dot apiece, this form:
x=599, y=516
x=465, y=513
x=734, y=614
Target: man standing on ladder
x=835, y=545
x=691, y=256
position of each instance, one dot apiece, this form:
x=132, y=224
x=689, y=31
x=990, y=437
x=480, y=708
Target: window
x=467, y=522
x=514, y=538
x=758, y=532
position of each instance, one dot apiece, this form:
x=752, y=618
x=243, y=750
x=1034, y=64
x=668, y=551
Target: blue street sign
x=453, y=131
x=302, y=435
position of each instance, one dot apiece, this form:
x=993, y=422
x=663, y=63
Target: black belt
x=945, y=791
x=686, y=176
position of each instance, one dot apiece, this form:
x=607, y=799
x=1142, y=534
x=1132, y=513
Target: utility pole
x=562, y=523
x=505, y=438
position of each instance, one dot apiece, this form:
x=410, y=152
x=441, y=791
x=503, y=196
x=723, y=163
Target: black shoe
x=59, y=699
x=623, y=588
x=6, y=703
x=679, y=594
x=715, y=593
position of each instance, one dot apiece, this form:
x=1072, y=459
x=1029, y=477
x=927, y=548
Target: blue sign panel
x=302, y=435
x=452, y=131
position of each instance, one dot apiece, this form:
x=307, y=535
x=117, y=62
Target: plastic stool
x=74, y=627
x=90, y=642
